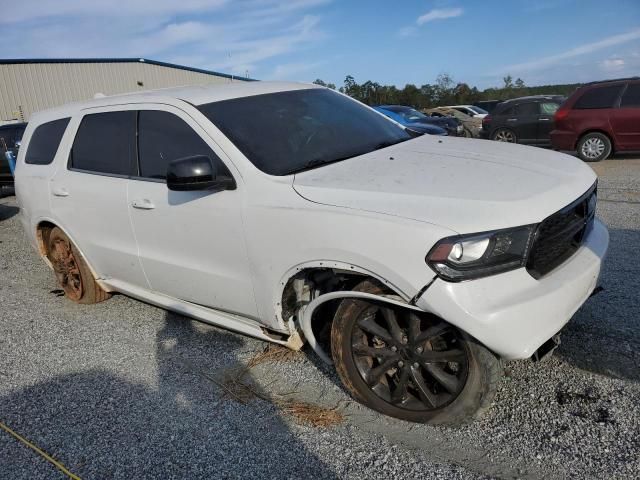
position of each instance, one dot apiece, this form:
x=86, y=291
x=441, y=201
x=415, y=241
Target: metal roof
x=13, y=61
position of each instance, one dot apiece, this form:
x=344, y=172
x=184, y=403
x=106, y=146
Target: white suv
x=293, y=213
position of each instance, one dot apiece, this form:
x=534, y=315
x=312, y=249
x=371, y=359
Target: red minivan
x=600, y=118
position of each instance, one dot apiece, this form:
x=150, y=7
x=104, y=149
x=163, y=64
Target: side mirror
x=197, y=173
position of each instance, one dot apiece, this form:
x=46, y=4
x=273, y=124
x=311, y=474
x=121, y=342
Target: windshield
x=479, y=110
x=287, y=132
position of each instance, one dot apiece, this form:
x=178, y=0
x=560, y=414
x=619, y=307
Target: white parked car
x=471, y=110
x=293, y=213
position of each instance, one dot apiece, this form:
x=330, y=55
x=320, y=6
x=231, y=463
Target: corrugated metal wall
x=29, y=87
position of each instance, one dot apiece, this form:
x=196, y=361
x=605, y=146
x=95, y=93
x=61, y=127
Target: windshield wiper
x=316, y=162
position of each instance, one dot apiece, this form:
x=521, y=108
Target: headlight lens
x=465, y=257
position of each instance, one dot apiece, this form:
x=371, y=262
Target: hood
x=462, y=184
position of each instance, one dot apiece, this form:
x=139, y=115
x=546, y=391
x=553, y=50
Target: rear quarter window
x=45, y=141
x=599, y=97
x=631, y=97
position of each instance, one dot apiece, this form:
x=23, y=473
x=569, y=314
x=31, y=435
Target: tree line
x=445, y=91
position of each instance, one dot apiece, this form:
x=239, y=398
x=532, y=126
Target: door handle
x=60, y=192
x=512, y=119
x=144, y=204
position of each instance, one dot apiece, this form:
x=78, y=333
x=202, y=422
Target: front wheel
x=594, y=147
x=411, y=366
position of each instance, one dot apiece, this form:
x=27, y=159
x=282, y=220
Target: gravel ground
x=124, y=390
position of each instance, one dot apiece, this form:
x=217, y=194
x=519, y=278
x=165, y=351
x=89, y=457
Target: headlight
x=476, y=255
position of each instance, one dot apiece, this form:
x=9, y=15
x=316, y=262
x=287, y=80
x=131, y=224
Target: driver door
x=191, y=243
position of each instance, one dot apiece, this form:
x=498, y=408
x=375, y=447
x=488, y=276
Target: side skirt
x=217, y=318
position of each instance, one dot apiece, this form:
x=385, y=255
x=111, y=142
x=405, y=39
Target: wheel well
x=595, y=130
x=309, y=283
x=42, y=235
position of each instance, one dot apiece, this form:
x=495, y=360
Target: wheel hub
x=67, y=270
x=407, y=361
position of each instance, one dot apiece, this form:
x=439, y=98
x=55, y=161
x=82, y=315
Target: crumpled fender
x=307, y=314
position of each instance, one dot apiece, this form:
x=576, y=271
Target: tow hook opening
x=546, y=349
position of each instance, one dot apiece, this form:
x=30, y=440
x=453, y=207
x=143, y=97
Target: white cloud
x=233, y=36
x=612, y=64
x=29, y=10
x=408, y=31
x=439, y=14
x=585, y=49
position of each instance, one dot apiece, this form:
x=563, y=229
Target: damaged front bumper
x=512, y=313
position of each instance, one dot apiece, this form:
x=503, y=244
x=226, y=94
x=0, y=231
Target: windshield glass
x=479, y=110
x=287, y=132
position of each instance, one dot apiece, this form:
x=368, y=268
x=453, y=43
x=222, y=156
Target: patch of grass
x=312, y=415
x=274, y=353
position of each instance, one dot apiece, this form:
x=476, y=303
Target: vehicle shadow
x=604, y=335
x=7, y=211
x=101, y=424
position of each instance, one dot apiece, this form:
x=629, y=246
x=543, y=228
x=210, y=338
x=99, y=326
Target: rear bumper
x=513, y=313
x=484, y=134
x=563, y=140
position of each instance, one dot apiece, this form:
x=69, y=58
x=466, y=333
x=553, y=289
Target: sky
x=390, y=42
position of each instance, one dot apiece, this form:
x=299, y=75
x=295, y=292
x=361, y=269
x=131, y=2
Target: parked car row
x=411, y=118
x=471, y=124
x=598, y=119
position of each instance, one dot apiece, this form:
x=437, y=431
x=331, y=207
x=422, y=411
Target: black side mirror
x=197, y=173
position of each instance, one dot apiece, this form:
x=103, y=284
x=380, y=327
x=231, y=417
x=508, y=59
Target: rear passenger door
x=625, y=120
x=191, y=243
x=89, y=193
x=526, y=122
x=545, y=121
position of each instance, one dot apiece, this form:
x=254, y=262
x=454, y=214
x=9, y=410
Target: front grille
x=560, y=235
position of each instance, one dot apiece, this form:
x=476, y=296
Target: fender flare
x=307, y=314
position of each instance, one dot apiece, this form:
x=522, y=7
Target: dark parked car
x=411, y=116
x=600, y=118
x=488, y=105
x=527, y=120
x=10, y=135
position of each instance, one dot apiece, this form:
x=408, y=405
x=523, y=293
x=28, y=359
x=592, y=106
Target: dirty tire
x=473, y=397
x=594, y=147
x=72, y=272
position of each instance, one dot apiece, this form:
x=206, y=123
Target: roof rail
x=613, y=80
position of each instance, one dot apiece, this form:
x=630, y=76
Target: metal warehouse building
x=27, y=86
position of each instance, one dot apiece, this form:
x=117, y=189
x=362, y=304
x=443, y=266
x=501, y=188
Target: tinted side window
x=600, y=97
x=45, y=141
x=164, y=137
x=512, y=110
x=106, y=143
x=530, y=108
x=631, y=97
